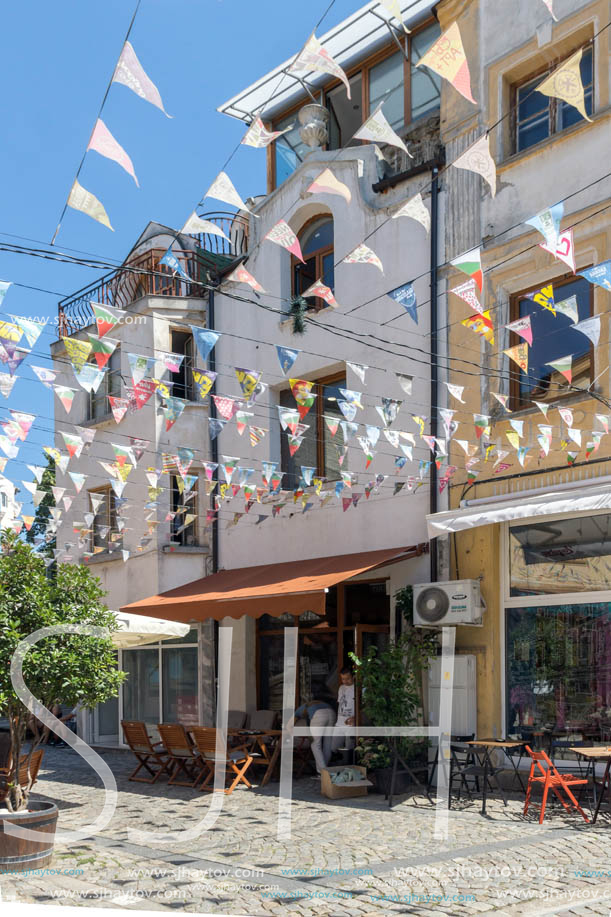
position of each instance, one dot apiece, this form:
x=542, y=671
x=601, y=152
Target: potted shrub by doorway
x=391, y=685
x=67, y=668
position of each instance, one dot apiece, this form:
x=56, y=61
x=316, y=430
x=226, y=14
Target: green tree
x=70, y=668
x=42, y=515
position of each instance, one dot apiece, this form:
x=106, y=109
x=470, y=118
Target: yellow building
x=529, y=511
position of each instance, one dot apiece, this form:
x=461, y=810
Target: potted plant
x=70, y=668
x=391, y=685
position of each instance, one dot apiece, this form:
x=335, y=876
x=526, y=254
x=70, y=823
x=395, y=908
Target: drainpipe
x=434, y=356
x=214, y=446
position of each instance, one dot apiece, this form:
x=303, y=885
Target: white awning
x=589, y=497
x=138, y=630
x=352, y=40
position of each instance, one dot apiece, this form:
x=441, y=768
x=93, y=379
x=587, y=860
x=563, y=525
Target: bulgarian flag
x=471, y=264
x=481, y=422
x=564, y=366
x=102, y=349
x=105, y=317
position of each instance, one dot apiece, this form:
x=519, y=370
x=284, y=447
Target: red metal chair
x=551, y=779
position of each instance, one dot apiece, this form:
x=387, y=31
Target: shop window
x=407, y=91
x=316, y=243
x=182, y=381
x=185, y=504
x=559, y=671
x=319, y=449
x=560, y=556
x=553, y=338
x=98, y=405
x=105, y=518
x=537, y=116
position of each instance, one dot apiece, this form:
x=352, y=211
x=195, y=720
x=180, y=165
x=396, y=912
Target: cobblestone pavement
x=345, y=857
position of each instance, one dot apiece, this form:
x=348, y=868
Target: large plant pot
x=18, y=854
x=383, y=777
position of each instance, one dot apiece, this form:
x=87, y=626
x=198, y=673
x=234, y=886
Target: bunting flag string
x=83, y=200
x=258, y=135
x=130, y=72
x=103, y=142
x=565, y=83
x=477, y=159
x=377, y=129
x=314, y=57
x=447, y=58
x=327, y=183
x=416, y=209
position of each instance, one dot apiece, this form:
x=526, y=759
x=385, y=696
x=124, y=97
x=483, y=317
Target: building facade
x=530, y=517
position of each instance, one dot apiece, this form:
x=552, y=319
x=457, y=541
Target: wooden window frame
x=111, y=514
x=514, y=313
x=318, y=254
x=553, y=103
x=364, y=67
x=181, y=538
x=188, y=362
x=105, y=387
x=339, y=630
x=317, y=389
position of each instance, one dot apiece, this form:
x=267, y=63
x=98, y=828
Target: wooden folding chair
x=234, y=761
x=551, y=779
x=150, y=755
x=184, y=757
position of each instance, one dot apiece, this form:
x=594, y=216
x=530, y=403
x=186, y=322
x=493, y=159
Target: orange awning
x=272, y=589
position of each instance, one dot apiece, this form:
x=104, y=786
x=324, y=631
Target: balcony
x=143, y=275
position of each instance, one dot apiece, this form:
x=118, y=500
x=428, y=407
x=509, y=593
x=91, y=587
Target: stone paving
x=345, y=857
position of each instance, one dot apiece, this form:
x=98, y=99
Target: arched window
x=316, y=241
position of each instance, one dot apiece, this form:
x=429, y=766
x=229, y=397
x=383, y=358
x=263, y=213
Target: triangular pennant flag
x=102, y=350
x=172, y=409
x=314, y=57
x=204, y=379
x=215, y=426
x=204, y=339
x=377, y=129
x=518, y=426
x=142, y=392
x=327, y=183
x=467, y=292
x=78, y=480
x=477, y=158
x=513, y=438
x=241, y=275
x=6, y=383
x=222, y=189
x=522, y=327
x=481, y=421
x=103, y=142
x=550, y=5
x=30, y=328
x=358, y=369
x=65, y=395
x=406, y=297
x=544, y=297
x=171, y=261
x=141, y=367
x=406, y=382
x=248, y=379
x=282, y=234
x=544, y=408
x=332, y=424
x=591, y=328
x=225, y=406
x=86, y=202
x=456, y=391
x=242, y=419
x=286, y=357
x=563, y=366
x=565, y=83
x=603, y=420
x=347, y=409
x=74, y=444
x=90, y=377
x=564, y=249
x=105, y=317
x=502, y=399
x=447, y=58
x=519, y=355
x=45, y=375
x=78, y=352
x=389, y=410
x=547, y=222
x=256, y=434
x=4, y=285
x=599, y=274
x=362, y=254
x=118, y=407
x=320, y=290
x=394, y=8
x=471, y=263
x=258, y=135
x=569, y=307
x=288, y=418
x=416, y=210
x=195, y=225
x=482, y=325
x=130, y=72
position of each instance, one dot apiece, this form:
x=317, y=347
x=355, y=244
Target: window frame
x=317, y=389
x=318, y=254
x=181, y=537
x=111, y=516
x=553, y=103
x=364, y=67
x=189, y=389
x=514, y=313
x=105, y=389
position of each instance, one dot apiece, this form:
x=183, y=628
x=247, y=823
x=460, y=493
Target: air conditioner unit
x=446, y=604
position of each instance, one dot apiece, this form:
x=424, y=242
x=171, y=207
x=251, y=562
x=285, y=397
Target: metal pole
x=434, y=356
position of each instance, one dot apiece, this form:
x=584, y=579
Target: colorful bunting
x=282, y=234
x=565, y=83
x=519, y=355
x=456, y=391
x=65, y=395
x=447, y=58
x=286, y=357
x=569, y=307
x=406, y=297
x=416, y=210
x=377, y=129
x=327, y=183
x=482, y=325
x=204, y=339
x=477, y=159
x=105, y=318
x=45, y=375
x=563, y=366
x=204, y=379
x=86, y=202
x=118, y=407
x=470, y=263
x=241, y=275
x=591, y=328
x=563, y=250
x=467, y=292
x=258, y=135
x=314, y=57
x=90, y=377
x=222, y=189
x=130, y=72
x=547, y=222
x=522, y=327
x=362, y=254
x=319, y=289
x=599, y=274
x=103, y=142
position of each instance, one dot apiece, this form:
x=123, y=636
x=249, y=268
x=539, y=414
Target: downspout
x=214, y=446
x=434, y=356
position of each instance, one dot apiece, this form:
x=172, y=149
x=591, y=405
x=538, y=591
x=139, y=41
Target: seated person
x=318, y=713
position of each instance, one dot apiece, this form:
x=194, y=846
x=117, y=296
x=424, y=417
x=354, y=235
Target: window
x=538, y=117
x=184, y=504
x=105, y=517
x=407, y=91
x=553, y=338
x=182, y=387
x=319, y=449
x=98, y=404
x=316, y=242
x=3, y=500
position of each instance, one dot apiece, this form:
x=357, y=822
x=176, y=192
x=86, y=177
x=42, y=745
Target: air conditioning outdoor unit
x=446, y=604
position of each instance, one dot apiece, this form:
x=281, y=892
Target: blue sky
x=57, y=60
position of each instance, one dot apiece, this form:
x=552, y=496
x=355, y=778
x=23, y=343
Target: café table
x=596, y=752
x=488, y=745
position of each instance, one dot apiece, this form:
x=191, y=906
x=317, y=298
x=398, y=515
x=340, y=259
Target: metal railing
x=143, y=275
